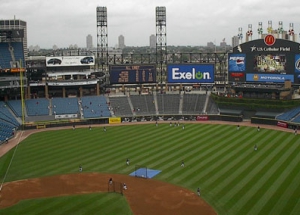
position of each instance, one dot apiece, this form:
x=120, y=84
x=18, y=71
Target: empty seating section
x=120, y=106
x=189, y=103
x=8, y=122
x=143, y=104
x=65, y=106
x=16, y=107
x=95, y=106
x=37, y=107
x=168, y=104
x=193, y=103
x=6, y=115
x=5, y=55
x=212, y=107
x=289, y=115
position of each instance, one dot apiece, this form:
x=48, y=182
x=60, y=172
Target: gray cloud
x=189, y=22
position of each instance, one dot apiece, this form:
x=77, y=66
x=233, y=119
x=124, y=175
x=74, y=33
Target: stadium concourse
x=144, y=196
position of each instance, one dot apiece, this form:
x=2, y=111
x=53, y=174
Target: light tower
x=240, y=35
x=161, y=38
x=102, y=37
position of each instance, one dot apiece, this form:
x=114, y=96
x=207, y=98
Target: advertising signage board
x=70, y=61
x=191, y=73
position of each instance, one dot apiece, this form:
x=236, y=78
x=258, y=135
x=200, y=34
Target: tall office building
x=121, y=42
x=89, y=42
x=152, y=41
x=17, y=24
x=235, y=41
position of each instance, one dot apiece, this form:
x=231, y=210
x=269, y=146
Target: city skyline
x=193, y=23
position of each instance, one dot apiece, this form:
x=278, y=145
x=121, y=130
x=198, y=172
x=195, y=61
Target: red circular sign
x=269, y=40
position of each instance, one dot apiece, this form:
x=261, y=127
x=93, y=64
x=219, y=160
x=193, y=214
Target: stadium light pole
x=102, y=38
x=161, y=38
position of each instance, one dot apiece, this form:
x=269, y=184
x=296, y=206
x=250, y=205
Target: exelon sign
x=191, y=73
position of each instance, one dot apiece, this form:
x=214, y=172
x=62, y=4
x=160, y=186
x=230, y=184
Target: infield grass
x=219, y=159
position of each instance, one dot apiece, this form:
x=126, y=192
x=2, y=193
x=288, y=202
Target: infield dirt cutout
x=145, y=196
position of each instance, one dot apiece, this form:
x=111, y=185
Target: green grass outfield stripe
x=173, y=172
x=264, y=179
x=246, y=168
x=221, y=163
x=287, y=183
x=183, y=140
x=262, y=161
x=218, y=155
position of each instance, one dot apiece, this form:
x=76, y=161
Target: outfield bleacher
x=193, y=103
x=120, y=106
x=143, y=104
x=168, y=103
x=95, y=106
x=212, y=107
x=289, y=115
x=16, y=107
x=62, y=106
x=8, y=122
x=37, y=107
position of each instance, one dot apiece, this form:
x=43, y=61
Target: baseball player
x=127, y=162
x=110, y=181
x=80, y=168
x=104, y=128
x=182, y=163
x=295, y=131
x=255, y=147
x=198, y=191
x=90, y=127
x=124, y=186
x=258, y=128
x=238, y=127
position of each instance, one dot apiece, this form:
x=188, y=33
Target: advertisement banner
x=191, y=73
x=70, y=61
x=236, y=62
x=282, y=124
x=269, y=78
x=297, y=63
x=202, y=118
x=114, y=120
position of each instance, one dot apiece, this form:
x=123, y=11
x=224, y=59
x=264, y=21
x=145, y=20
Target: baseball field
x=41, y=174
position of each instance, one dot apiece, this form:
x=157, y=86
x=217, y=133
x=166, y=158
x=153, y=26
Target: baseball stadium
x=96, y=133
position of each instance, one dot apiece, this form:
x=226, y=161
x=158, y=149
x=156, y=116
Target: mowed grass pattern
x=219, y=159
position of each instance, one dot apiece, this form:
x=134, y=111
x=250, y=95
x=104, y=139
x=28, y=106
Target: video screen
x=270, y=63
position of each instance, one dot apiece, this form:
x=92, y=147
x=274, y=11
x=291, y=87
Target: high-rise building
x=17, y=24
x=121, y=42
x=89, y=42
x=152, y=41
x=235, y=41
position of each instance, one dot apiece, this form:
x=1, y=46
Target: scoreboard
x=132, y=74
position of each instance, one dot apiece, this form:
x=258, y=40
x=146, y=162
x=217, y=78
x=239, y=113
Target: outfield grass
x=220, y=160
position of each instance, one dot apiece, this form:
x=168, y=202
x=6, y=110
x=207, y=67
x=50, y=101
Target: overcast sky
x=189, y=22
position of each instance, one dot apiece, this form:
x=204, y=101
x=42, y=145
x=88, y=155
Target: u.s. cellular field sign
x=191, y=73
